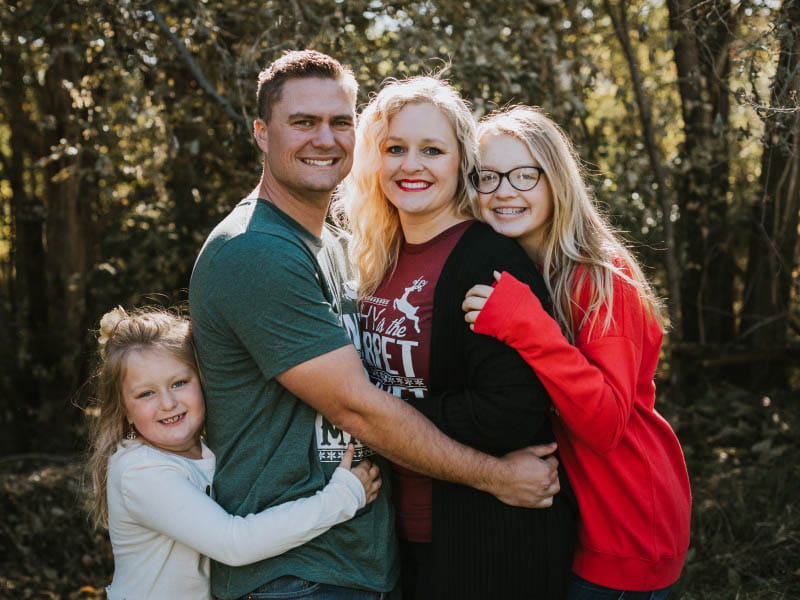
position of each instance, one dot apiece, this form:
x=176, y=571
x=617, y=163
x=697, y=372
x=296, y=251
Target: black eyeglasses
x=521, y=178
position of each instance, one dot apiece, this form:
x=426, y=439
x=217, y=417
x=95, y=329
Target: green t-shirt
x=265, y=296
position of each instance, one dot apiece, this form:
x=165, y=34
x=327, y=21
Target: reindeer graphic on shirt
x=404, y=306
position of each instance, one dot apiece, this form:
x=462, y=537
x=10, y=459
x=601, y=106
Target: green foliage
x=742, y=451
x=125, y=135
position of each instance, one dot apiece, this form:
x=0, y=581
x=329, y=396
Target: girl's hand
x=475, y=300
x=368, y=473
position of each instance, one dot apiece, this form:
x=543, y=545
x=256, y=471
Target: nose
x=325, y=137
x=168, y=400
x=411, y=162
x=505, y=189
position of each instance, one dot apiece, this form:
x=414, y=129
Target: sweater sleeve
x=591, y=384
x=499, y=405
x=500, y=409
x=162, y=498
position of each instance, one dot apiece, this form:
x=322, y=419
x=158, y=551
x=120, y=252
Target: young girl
x=152, y=473
x=597, y=358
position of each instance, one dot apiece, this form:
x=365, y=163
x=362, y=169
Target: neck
x=309, y=208
x=420, y=229
x=534, y=247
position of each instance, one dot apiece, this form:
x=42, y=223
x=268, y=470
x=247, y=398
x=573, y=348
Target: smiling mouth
x=172, y=420
x=319, y=163
x=509, y=211
x=413, y=186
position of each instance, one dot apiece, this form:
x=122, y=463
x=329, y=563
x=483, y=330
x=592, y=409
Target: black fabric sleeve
x=482, y=393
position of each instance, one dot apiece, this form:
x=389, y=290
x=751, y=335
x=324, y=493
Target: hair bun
x=108, y=324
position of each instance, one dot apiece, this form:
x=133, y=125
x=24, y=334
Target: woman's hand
x=368, y=473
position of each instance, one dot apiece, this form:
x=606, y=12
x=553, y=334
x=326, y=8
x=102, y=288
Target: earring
x=131, y=433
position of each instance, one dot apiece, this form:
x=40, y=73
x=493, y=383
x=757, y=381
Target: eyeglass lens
x=521, y=178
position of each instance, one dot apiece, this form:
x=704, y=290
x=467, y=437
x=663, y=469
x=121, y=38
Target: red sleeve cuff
x=496, y=318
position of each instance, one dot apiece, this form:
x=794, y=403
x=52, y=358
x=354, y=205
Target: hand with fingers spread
x=475, y=300
x=367, y=472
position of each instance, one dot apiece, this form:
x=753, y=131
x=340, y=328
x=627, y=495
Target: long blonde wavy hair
x=374, y=222
x=122, y=333
x=579, y=237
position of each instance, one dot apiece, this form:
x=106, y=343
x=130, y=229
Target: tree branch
x=620, y=23
x=195, y=69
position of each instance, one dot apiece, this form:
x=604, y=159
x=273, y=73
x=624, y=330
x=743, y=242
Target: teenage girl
x=597, y=358
x=152, y=472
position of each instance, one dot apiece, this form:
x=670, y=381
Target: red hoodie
x=623, y=459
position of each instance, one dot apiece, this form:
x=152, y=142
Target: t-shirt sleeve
x=270, y=292
x=161, y=497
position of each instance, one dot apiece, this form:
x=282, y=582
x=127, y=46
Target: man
x=272, y=306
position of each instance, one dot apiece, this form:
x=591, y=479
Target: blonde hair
x=579, y=237
x=375, y=224
x=122, y=333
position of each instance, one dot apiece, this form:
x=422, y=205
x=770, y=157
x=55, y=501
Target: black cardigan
x=484, y=395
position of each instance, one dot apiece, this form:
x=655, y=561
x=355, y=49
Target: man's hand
x=530, y=477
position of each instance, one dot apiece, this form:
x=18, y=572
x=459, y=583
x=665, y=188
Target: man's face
x=309, y=140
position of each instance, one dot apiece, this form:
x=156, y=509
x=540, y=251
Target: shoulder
x=630, y=315
x=251, y=229
x=138, y=456
x=480, y=245
x=252, y=260
x=623, y=288
x=137, y=460
x=481, y=251
x=480, y=235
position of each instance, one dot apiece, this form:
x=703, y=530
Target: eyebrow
x=314, y=117
x=424, y=140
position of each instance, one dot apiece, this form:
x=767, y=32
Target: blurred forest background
x=125, y=135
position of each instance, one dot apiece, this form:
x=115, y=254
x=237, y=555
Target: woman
x=417, y=249
x=623, y=459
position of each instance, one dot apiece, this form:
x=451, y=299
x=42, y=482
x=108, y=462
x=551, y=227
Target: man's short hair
x=299, y=64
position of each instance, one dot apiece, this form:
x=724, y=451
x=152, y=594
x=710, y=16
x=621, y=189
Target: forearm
x=386, y=423
x=165, y=501
x=335, y=385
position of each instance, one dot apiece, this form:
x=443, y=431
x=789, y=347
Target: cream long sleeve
x=163, y=525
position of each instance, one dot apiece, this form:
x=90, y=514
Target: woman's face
x=420, y=167
x=523, y=216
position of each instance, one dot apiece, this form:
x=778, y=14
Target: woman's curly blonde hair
x=120, y=334
x=374, y=221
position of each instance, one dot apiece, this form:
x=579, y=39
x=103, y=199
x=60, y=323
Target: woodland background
x=125, y=136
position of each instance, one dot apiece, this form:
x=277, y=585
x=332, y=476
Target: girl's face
x=420, y=167
x=523, y=216
x=164, y=400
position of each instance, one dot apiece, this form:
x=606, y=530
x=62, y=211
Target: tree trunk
x=703, y=33
x=68, y=227
x=773, y=229
x=29, y=335
x=702, y=57
x=620, y=22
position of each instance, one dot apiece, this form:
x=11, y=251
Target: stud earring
x=131, y=433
